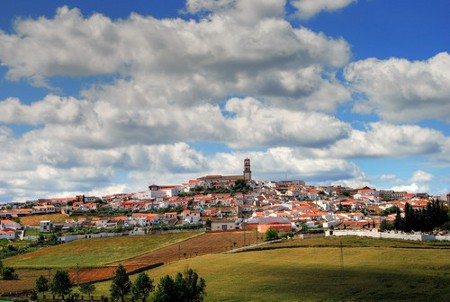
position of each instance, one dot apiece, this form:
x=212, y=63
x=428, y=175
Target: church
x=221, y=181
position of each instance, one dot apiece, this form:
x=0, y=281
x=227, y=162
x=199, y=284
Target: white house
x=45, y=226
x=223, y=225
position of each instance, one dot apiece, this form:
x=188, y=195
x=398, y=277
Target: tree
x=41, y=284
x=61, y=284
x=142, y=287
x=41, y=239
x=166, y=290
x=87, y=289
x=121, y=284
x=9, y=273
x=271, y=234
x=386, y=226
x=208, y=223
x=187, y=288
x=192, y=287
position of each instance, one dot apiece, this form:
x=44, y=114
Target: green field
x=94, y=252
x=316, y=274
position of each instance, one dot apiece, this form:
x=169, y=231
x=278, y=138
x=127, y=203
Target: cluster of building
x=282, y=205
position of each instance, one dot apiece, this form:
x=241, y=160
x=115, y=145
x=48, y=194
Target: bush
x=271, y=234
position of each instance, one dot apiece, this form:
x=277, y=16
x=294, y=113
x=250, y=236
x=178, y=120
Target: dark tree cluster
x=184, y=288
x=434, y=215
x=7, y=273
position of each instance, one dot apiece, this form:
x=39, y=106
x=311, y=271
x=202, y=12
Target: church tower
x=247, y=171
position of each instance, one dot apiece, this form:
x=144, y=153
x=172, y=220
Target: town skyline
x=98, y=98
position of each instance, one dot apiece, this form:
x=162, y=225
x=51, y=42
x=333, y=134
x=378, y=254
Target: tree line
x=187, y=287
x=434, y=215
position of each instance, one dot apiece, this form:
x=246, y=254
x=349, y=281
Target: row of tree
x=184, y=288
x=434, y=215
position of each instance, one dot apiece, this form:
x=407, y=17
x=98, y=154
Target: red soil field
x=208, y=243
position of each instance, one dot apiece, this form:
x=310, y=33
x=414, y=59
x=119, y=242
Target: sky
x=102, y=97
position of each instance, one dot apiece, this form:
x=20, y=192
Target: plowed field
x=208, y=243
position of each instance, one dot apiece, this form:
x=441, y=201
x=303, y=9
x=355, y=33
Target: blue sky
x=100, y=98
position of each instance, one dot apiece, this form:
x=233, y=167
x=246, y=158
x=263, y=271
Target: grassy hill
x=315, y=273
x=294, y=270
x=94, y=252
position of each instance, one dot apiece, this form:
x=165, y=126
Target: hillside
x=316, y=274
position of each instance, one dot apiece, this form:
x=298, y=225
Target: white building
x=45, y=226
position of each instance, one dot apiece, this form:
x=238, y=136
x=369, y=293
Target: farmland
x=94, y=252
x=33, y=220
x=315, y=274
x=292, y=270
x=98, y=258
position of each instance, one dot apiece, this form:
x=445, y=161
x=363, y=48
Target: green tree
x=166, y=290
x=61, y=284
x=192, y=287
x=41, y=284
x=271, y=234
x=121, y=284
x=87, y=289
x=41, y=239
x=185, y=288
x=142, y=287
x=9, y=273
x=386, y=226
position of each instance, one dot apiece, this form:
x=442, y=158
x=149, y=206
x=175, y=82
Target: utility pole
x=341, y=260
x=243, y=221
x=78, y=274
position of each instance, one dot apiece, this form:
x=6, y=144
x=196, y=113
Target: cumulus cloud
x=257, y=125
x=247, y=11
x=45, y=170
x=384, y=139
x=245, y=123
x=399, y=90
x=421, y=176
x=309, y=8
x=206, y=59
x=418, y=183
x=52, y=109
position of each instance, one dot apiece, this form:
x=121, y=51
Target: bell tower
x=247, y=171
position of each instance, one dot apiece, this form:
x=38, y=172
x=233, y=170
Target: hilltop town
x=227, y=203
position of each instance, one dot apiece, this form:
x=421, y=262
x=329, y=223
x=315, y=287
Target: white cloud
x=310, y=8
x=418, y=183
x=412, y=188
x=52, y=109
x=5, y=133
x=421, y=176
x=399, y=90
x=207, y=58
x=257, y=125
x=33, y=168
x=245, y=11
x=384, y=139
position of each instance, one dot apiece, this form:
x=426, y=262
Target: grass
x=355, y=241
x=315, y=274
x=94, y=252
x=32, y=232
x=33, y=220
x=294, y=270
